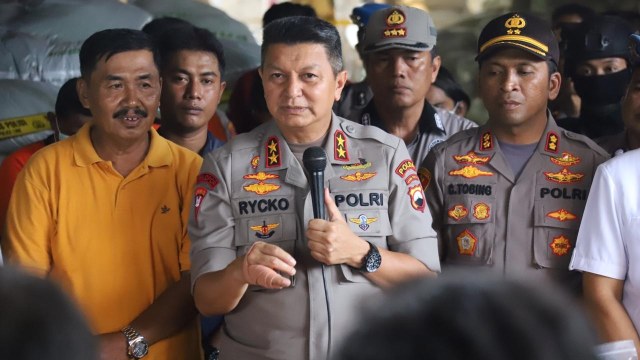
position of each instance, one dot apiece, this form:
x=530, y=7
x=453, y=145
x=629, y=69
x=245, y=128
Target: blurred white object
x=617, y=350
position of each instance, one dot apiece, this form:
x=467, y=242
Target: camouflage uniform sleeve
x=410, y=221
x=211, y=221
x=432, y=177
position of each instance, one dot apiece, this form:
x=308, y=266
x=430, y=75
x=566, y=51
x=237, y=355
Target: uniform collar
x=430, y=121
x=549, y=144
x=85, y=154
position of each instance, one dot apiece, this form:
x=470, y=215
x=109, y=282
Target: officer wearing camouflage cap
x=401, y=62
x=508, y=196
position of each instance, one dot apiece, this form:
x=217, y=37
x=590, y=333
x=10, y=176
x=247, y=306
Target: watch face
x=373, y=262
x=139, y=349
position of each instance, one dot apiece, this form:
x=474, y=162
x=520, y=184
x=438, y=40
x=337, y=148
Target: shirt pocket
x=371, y=225
x=279, y=229
x=469, y=230
x=556, y=225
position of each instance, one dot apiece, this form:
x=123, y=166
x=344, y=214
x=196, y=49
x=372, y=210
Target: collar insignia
x=255, y=161
x=564, y=176
x=340, y=151
x=273, y=153
x=470, y=172
x=363, y=221
x=552, y=142
x=471, y=158
x=486, y=141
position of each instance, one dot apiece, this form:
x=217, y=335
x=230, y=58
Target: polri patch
x=411, y=178
x=405, y=166
x=208, y=179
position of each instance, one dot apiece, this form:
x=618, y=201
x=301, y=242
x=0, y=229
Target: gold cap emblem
x=514, y=24
x=395, y=18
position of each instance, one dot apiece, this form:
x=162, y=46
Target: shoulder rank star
x=564, y=176
x=470, y=172
x=363, y=221
x=471, y=158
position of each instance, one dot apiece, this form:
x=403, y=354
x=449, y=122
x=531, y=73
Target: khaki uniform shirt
x=523, y=227
x=254, y=189
x=436, y=125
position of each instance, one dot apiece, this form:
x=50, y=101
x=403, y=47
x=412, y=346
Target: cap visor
x=493, y=49
x=397, y=45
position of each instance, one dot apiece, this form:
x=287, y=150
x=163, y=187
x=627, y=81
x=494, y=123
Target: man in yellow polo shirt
x=104, y=213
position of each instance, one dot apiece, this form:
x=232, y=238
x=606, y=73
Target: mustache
x=123, y=112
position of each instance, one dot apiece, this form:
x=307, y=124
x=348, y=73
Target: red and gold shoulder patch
x=358, y=176
x=425, y=177
x=261, y=187
x=563, y=177
x=560, y=245
x=471, y=158
x=255, y=161
x=273, y=153
x=562, y=215
x=486, y=141
x=552, y=142
x=208, y=179
x=458, y=212
x=265, y=230
x=200, y=193
x=481, y=211
x=567, y=159
x=470, y=172
x=417, y=198
x=466, y=243
x=340, y=151
x=405, y=166
x=411, y=178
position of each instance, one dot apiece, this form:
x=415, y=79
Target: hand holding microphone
x=330, y=241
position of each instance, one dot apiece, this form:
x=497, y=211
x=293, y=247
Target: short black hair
x=583, y=11
x=157, y=27
x=471, y=316
x=107, y=43
x=39, y=321
x=451, y=88
x=303, y=29
x=190, y=38
x=286, y=9
x=68, y=102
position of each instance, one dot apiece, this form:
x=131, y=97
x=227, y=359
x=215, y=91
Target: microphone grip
x=317, y=195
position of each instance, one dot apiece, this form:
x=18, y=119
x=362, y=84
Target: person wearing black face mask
x=597, y=60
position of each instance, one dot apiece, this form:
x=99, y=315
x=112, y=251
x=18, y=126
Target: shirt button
x=349, y=128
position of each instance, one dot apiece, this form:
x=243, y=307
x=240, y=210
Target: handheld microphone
x=314, y=160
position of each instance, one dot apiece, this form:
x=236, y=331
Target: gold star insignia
x=340, y=141
x=273, y=159
x=272, y=146
x=401, y=32
x=341, y=152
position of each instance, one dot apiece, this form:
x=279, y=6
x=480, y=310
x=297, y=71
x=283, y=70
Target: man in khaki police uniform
x=509, y=195
x=290, y=285
x=401, y=63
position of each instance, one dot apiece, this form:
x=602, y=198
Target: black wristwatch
x=372, y=260
x=138, y=345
